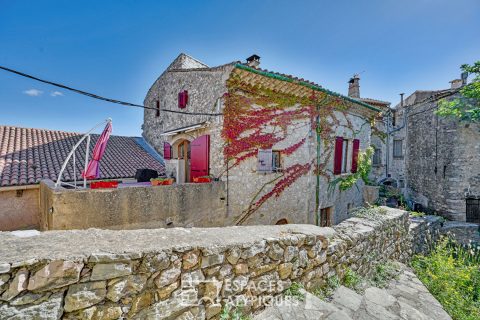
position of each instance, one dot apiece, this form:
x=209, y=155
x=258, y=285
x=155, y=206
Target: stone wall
x=462, y=232
x=424, y=233
x=19, y=209
x=183, y=273
x=184, y=205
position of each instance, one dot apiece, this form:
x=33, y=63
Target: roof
x=30, y=155
x=375, y=102
x=304, y=83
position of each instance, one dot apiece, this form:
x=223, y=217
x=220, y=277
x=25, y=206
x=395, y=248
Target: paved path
x=405, y=298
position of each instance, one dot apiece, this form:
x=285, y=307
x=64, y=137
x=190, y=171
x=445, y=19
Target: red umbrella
x=92, y=171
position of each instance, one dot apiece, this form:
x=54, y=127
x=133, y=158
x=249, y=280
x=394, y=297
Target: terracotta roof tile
x=30, y=155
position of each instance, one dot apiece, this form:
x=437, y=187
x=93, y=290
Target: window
x=377, y=157
x=269, y=161
x=276, y=161
x=157, y=114
x=182, y=99
x=397, y=148
x=325, y=217
x=344, y=156
x=401, y=183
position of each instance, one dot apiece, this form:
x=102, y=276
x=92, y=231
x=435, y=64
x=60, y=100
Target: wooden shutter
x=264, y=158
x=199, y=157
x=356, y=148
x=167, y=151
x=182, y=99
x=337, y=159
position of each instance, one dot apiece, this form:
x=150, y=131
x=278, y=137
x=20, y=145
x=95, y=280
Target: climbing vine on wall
x=260, y=118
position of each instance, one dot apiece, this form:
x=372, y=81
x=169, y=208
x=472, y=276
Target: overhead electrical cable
x=95, y=96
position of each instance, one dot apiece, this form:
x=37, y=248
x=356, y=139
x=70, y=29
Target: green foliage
x=466, y=108
x=233, y=313
x=327, y=291
x=452, y=274
x=352, y=280
x=384, y=272
x=416, y=214
x=295, y=291
x=364, y=166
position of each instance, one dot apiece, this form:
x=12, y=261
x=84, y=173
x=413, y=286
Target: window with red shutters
x=182, y=99
x=356, y=148
x=337, y=159
x=167, y=151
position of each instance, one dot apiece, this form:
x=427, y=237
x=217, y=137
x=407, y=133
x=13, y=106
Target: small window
x=397, y=148
x=276, y=161
x=377, y=157
x=401, y=183
x=325, y=217
x=157, y=112
x=345, y=156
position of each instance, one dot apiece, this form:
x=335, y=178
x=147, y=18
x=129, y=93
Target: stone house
x=280, y=144
x=435, y=160
x=28, y=156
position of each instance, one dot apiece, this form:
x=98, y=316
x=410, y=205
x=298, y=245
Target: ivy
x=364, y=167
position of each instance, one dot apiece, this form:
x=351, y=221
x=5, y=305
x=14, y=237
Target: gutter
x=304, y=84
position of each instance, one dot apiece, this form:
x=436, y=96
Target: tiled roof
x=30, y=155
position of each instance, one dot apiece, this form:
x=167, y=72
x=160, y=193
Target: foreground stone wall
x=183, y=273
x=183, y=205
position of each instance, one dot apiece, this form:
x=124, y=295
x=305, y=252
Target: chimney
x=354, y=86
x=456, y=83
x=253, y=61
x=401, y=99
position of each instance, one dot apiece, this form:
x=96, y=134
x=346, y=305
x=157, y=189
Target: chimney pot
x=354, y=87
x=456, y=83
x=253, y=61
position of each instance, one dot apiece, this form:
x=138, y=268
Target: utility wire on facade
x=92, y=95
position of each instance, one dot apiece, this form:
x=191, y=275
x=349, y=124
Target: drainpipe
x=317, y=189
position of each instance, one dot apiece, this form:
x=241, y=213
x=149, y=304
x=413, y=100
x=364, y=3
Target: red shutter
x=182, y=99
x=167, y=151
x=199, y=157
x=337, y=160
x=356, y=148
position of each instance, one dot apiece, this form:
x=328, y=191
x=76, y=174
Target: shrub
x=352, y=280
x=452, y=274
x=295, y=291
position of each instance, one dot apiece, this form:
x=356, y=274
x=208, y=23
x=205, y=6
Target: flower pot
x=104, y=185
x=202, y=180
x=164, y=182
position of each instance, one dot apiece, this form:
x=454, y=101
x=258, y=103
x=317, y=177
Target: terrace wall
x=184, y=205
x=19, y=209
x=184, y=273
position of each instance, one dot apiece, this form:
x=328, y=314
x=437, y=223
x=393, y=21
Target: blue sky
x=118, y=48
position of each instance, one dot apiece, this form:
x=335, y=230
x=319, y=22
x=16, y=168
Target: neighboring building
x=30, y=155
x=379, y=136
x=436, y=159
x=278, y=142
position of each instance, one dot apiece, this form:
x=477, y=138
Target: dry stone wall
x=183, y=273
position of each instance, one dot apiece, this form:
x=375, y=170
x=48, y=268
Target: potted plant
x=104, y=184
x=161, y=181
x=203, y=179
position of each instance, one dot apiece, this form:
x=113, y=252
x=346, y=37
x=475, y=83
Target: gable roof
x=184, y=61
x=30, y=155
x=303, y=83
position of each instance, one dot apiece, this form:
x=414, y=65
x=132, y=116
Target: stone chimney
x=354, y=86
x=253, y=61
x=456, y=83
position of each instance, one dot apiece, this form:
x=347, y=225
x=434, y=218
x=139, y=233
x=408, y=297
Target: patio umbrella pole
x=85, y=136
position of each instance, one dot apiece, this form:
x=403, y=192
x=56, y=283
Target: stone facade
x=19, y=208
x=102, y=274
x=207, y=88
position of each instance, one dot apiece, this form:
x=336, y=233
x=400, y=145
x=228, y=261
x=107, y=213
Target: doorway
x=326, y=217
x=183, y=151
x=473, y=210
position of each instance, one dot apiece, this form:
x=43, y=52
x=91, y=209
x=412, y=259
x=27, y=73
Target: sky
x=118, y=49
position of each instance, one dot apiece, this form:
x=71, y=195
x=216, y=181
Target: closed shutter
x=182, y=99
x=356, y=148
x=337, y=159
x=199, y=157
x=264, y=157
x=167, y=151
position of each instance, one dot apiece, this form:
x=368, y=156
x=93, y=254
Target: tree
x=466, y=107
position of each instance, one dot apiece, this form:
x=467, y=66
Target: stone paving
x=405, y=298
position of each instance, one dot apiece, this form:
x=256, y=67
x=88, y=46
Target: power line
x=95, y=96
